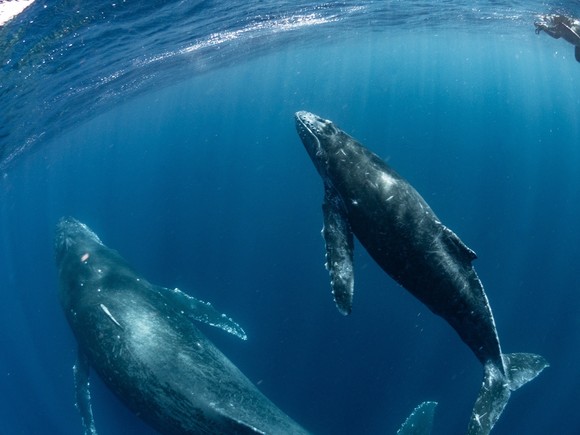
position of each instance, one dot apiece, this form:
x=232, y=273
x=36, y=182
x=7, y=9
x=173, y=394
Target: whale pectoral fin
x=420, y=422
x=83, y=394
x=339, y=248
x=461, y=248
x=577, y=53
x=203, y=312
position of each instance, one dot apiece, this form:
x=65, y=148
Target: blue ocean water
x=168, y=128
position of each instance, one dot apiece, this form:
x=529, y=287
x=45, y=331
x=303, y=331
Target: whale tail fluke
x=519, y=369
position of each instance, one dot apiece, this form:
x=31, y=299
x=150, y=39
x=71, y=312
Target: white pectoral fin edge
x=203, y=312
x=83, y=394
x=420, y=422
x=339, y=250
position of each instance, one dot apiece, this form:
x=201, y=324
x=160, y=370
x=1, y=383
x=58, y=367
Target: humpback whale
x=141, y=340
x=365, y=197
x=561, y=26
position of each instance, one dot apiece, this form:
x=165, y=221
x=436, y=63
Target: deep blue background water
x=204, y=185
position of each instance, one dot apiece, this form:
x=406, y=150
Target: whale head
x=320, y=137
x=73, y=237
x=80, y=260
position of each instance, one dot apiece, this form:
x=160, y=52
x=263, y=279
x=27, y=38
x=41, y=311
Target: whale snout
x=310, y=123
x=67, y=224
x=70, y=234
x=316, y=133
x=63, y=240
x=304, y=116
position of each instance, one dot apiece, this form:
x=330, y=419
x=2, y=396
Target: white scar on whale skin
x=108, y=313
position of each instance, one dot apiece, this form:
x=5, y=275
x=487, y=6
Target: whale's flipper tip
x=420, y=422
x=577, y=53
x=202, y=312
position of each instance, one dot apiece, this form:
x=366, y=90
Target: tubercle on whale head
x=311, y=126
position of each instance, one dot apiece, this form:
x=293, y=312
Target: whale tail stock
x=519, y=369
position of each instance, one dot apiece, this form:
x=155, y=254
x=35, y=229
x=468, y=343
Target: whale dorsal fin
x=461, y=248
x=339, y=248
x=202, y=311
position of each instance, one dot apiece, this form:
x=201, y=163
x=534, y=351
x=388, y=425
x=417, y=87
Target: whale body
x=142, y=341
x=366, y=198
